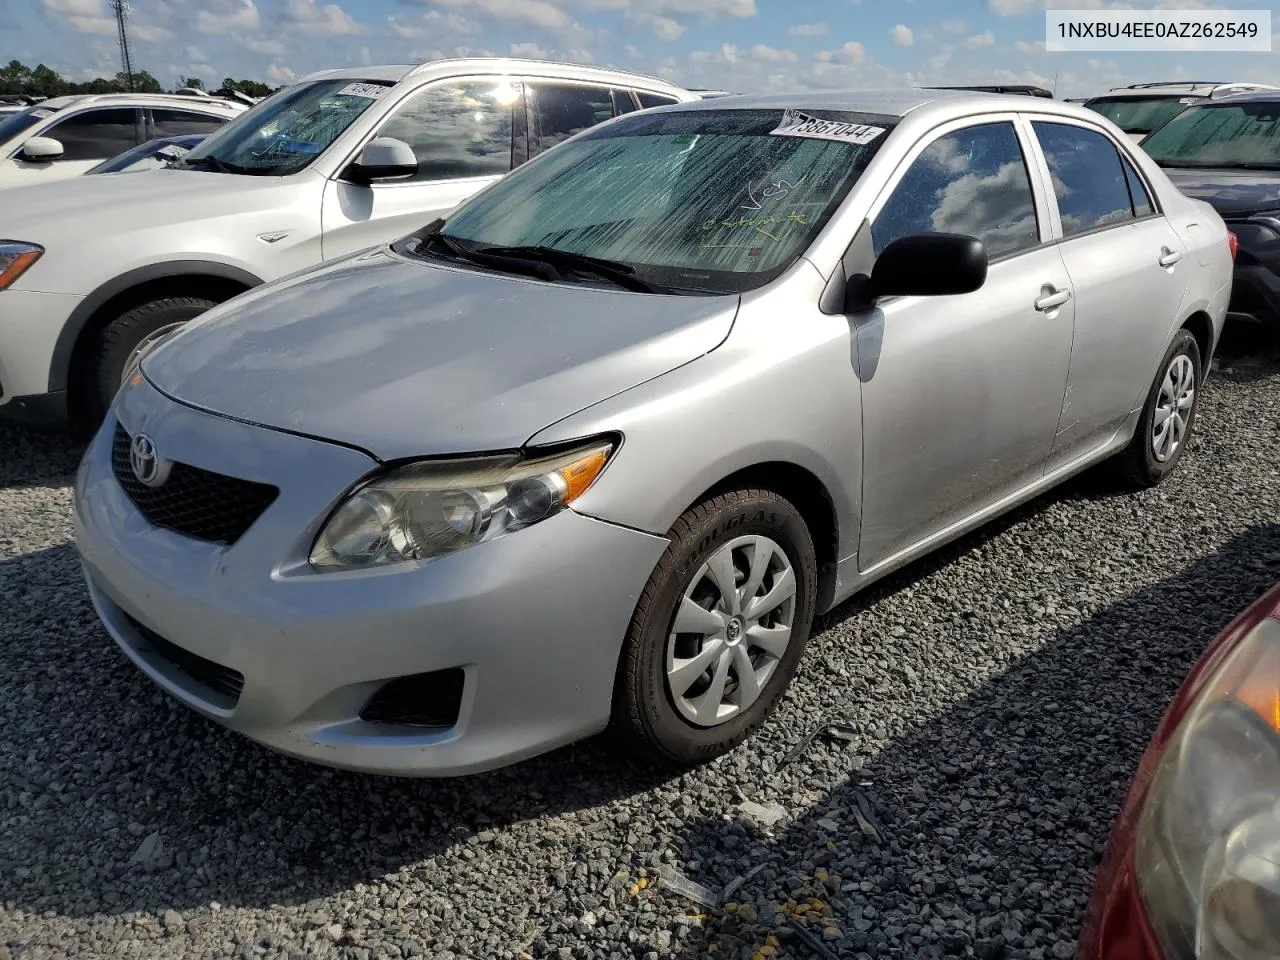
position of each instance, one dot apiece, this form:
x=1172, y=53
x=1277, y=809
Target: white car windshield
x=698, y=200
x=17, y=122
x=286, y=132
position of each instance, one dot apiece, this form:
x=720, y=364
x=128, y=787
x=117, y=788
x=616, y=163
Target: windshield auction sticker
x=371, y=91
x=1154, y=30
x=797, y=124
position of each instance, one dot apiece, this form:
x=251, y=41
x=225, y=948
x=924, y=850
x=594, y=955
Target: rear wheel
x=719, y=630
x=1164, y=431
x=125, y=340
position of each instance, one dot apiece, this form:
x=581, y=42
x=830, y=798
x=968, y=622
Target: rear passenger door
x=1128, y=279
x=465, y=132
x=558, y=109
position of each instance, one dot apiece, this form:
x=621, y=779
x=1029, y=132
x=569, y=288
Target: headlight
x=1207, y=854
x=15, y=258
x=433, y=508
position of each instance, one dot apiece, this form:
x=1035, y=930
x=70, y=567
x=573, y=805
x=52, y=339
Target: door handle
x=1169, y=257
x=1051, y=301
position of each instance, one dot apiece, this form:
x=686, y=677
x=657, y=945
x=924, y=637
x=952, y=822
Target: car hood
x=403, y=358
x=1233, y=193
x=45, y=212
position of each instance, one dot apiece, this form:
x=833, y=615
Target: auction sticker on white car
x=797, y=124
x=370, y=90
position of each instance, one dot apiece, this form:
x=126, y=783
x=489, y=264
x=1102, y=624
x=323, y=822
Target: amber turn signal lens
x=580, y=474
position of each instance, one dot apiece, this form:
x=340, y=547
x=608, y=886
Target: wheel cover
x=730, y=630
x=1173, y=408
x=145, y=346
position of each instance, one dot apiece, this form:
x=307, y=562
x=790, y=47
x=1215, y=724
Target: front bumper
x=535, y=619
x=30, y=324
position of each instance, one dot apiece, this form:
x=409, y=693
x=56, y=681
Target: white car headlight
x=436, y=507
x=1207, y=852
x=15, y=258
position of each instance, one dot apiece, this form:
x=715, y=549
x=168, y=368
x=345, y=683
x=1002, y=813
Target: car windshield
x=286, y=132
x=152, y=155
x=715, y=201
x=1139, y=114
x=1220, y=135
x=17, y=122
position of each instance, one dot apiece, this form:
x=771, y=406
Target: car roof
x=142, y=100
x=394, y=73
x=1201, y=88
x=896, y=102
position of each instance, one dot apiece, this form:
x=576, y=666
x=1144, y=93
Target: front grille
x=223, y=682
x=422, y=700
x=195, y=502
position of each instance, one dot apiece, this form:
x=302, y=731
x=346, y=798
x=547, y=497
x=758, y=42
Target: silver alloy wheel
x=1173, y=408
x=731, y=630
x=145, y=346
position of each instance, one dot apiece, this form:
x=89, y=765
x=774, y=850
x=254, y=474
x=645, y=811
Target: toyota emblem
x=148, y=467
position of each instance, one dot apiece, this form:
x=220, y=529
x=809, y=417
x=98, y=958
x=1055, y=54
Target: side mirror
x=41, y=150
x=929, y=265
x=383, y=158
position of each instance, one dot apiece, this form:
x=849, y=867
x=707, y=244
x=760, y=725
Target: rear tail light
x=1233, y=244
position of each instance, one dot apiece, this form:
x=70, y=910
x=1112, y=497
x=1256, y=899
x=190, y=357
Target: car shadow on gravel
x=977, y=831
x=37, y=456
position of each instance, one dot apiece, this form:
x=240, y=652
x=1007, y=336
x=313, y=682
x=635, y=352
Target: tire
x=649, y=715
x=1142, y=464
x=119, y=338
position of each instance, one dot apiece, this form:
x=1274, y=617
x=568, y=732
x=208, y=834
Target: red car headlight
x=1206, y=850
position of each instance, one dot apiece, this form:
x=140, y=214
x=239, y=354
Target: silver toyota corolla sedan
x=594, y=451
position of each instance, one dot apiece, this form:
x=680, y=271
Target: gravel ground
x=984, y=711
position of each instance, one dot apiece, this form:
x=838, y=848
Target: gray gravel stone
x=995, y=700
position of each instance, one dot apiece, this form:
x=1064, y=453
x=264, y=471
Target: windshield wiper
x=432, y=234
x=1221, y=165
x=221, y=166
x=623, y=274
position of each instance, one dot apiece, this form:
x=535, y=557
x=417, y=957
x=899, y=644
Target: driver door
x=466, y=133
x=961, y=395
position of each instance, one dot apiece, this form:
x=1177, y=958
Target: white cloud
x=311, y=19
x=707, y=9
x=664, y=28
x=228, y=17
x=634, y=52
x=772, y=54
x=83, y=16
x=850, y=53
x=280, y=74
x=903, y=35
x=196, y=54
x=955, y=26
x=984, y=39
x=808, y=30
x=1035, y=46
x=263, y=45
x=530, y=51
x=149, y=33
x=432, y=24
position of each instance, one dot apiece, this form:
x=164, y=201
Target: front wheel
x=125, y=340
x=1164, y=431
x=719, y=630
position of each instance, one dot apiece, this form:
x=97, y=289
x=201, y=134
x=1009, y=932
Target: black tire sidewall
x=1156, y=471
x=745, y=514
x=122, y=335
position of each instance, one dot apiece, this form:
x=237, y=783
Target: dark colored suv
x=1227, y=152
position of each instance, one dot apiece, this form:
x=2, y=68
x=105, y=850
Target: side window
x=96, y=134
x=1142, y=205
x=564, y=109
x=1088, y=179
x=973, y=181
x=622, y=102
x=175, y=123
x=648, y=100
x=457, y=128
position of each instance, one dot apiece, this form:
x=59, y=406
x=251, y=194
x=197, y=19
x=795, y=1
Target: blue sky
x=739, y=45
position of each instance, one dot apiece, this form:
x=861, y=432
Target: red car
x=1192, y=870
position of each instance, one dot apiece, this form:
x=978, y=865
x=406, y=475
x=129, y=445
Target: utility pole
x=121, y=8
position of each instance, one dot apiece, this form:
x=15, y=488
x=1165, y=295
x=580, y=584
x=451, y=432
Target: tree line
x=42, y=81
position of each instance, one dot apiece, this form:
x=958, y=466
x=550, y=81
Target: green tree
x=15, y=78
x=194, y=82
